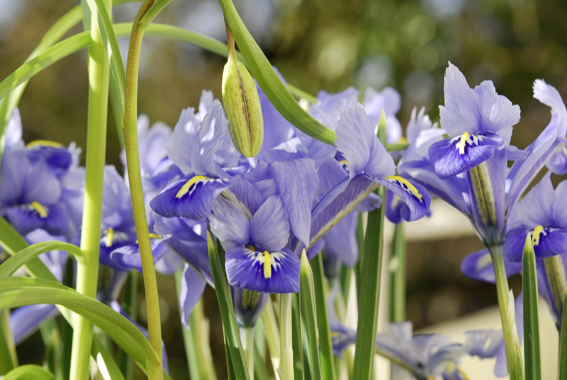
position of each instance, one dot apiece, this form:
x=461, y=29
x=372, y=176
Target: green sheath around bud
x=242, y=107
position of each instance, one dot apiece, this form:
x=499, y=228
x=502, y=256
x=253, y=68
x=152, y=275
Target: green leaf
x=269, y=81
x=532, y=360
x=327, y=357
x=309, y=315
x=563, y=344
x=20, y=291
x=11, y=265
x=29, y=371
x=230, y=327
x=297, y=342
x=397, y=268
x=369, y=293
x=8, y=356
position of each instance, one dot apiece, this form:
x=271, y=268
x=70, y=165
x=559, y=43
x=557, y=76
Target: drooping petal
x=128, y=257
x=416, y=201
x=537, y=207
x=28, y=217
x=560, y=205
x=298, y=184
x=269, y=227
x=478, y=266
x=267, y=272
x=192, y=287
x=514, y=245
x=190, y=198
x=328, y=214
x=549, y=242
x=25, y=320
x=230, y=224
x=459, y=154
x=483, y=343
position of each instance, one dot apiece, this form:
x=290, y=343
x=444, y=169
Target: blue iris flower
x=203, y=151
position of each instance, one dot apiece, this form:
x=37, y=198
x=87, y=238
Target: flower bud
x=242, y=108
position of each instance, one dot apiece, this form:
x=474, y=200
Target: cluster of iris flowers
x=261, y=219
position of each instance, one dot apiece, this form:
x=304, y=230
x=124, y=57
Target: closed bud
x=242, y=107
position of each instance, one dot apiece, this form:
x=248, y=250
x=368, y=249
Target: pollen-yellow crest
x=109, y=237
x=39, y=209
x=409, y=186
x=536, y=234
x=462, y=142
x=52, y=144
x=267, y=265
x=185, y=189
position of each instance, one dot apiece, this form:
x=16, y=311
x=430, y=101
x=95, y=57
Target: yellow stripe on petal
x=406, y=185
x=109, y=237
x=39, y=209
x=462, y=142
x=154, y=236
x=185, y=189
x=267, y=265
x=52, y=144
x=536, y=234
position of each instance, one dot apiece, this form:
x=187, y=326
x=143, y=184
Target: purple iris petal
x=550, y=242
x=341, y=240
x=25, y=219
x=247, y=269
x=475, y=110
x=117, y=240
x=298, y=184
x=269, y=227
x=128, y=257
x=537, y=207
x=326, y=214
x=388, y=100
x=194, y=203
x=560, y=205
x=360, y=146
x=14, y=130
x=247, y=195
x=416, y=201
x=229, y=224
x=25, y=320
x=483, y=343
x=192, y=287
x=478, y=266
x=454, y=156
x=328, y=106
x=59, y=159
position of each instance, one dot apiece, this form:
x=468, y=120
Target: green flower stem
x=398, y=276
x=272, y=335
x=136, y=191
x=286, y=351
x=8, y=357
x=247, y=339
x=556, y=279
x=507, y=315
x=87, y=266
x=532, y=357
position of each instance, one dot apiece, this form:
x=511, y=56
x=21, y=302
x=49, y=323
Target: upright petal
x=230, y=224
x=298, y=184
x=269, y=227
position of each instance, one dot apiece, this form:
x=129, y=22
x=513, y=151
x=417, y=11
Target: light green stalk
x=556, y=279
x=514, y=356
x=286, y=351
x=136, y=191
x=398, y=276
x=272, y=335
x=87, y=265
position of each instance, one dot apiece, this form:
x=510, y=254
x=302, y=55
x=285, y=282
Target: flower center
x=267, y=265
x=37, y=207
x=406, y=185
x=193, y=181
x=52, y=144
x=536, y=235
x=463, y=143
x=109, y=237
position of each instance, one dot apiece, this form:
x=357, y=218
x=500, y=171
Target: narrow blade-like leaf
x=309, y=315
x=532, y=360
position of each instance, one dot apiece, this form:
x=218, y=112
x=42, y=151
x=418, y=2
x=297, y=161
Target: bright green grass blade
x=27, y=254
x=298, y=368
x=309, y=315
x=532, y=359
x=563, y=345
x=30, y=371
x=106, y=365
x=327, y=357
x=233, y=345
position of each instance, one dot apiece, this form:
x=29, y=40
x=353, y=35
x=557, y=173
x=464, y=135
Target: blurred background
x=316, y=44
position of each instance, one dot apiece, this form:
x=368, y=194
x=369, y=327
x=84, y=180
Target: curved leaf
x=20, y=291
x=11, y=265
x=269, y=81
x=532, y=359
x=29, y=371
x=106, y=365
